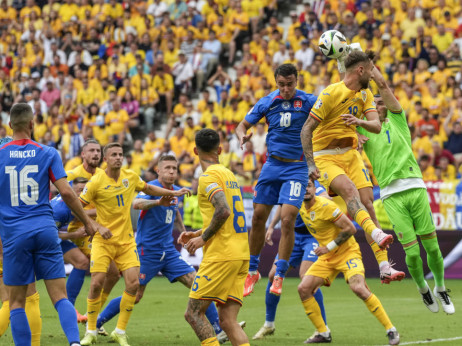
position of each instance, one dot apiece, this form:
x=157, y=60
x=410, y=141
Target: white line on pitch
x=431, y=341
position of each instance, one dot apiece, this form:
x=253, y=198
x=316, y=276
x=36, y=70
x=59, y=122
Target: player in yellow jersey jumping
x=338, y=252
x=112, y=193
x=91, y=158
x=225, y=264
x=329, y=142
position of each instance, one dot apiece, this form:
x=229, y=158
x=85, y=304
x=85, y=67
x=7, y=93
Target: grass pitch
x=158, y=319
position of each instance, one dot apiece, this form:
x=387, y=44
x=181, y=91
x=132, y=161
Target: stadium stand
x=149, y=74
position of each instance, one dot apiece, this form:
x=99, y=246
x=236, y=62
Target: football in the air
x=332, y=44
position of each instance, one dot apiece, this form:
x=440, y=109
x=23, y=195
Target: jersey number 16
x=27, y=189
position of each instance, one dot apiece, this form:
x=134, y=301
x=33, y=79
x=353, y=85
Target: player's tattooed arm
x=221, y=214
x=307, y=142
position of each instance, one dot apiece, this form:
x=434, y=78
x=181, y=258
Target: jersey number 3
x=27, y=189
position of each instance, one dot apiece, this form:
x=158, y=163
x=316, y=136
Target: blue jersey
x=155, y=226
x=26, y=169
x=300, y=226
x=285, y=119
x=62, y=214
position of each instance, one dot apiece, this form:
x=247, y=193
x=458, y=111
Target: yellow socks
x=126, y=307
x=34, y=317
x=4, y=316
x=104, y=296
x=211, y=342
x=381, y=255
x=375, y=306
x=363, y=219
x=313, y=312
x=245, y=344
x=93, y=309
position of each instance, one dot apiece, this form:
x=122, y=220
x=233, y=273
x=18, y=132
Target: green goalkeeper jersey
x=390, y=151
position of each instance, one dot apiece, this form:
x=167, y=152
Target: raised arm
x=347, y=230
x=241, y=132
x=221, y=214
x=307, y=142
x=389, y=99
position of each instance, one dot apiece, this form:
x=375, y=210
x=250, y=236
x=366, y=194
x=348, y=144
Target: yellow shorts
x=124, y=256
x=84, y=245
x=220, y=281
x=350, y=163
x=349, y=263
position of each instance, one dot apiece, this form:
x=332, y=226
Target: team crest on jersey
x=285, y=105
x=84, y=190
x=298, y=104
x=326, y=176
x=125, y=182
x=312, y=215
x=364, y=95
x=318, y=104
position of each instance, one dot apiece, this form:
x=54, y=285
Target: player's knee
x=83, y=263
x=287, y=225
x=258, y=219
x=133, y=286
x=190, y=316
x=225, y=322
x=360, y=290
x=304, y=290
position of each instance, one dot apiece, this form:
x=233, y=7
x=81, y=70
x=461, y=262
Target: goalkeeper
x=404, y=193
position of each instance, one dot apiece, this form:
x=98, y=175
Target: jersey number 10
x=27, y=189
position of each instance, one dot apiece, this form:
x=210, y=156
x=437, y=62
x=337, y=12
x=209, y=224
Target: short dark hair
x=285, y=70
x=207, y=140
x=90, y=141
x=167, y=158
x=111, y=145
x=20, y=116
x=79, y=180
x=357, y=57
x=425, y=157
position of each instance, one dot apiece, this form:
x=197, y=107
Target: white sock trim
x=392, y=329
x=269, y=324
x=440, y=289
x=253, y=272
x=384, y=263
x=375, y=233
x=94, y=332
x=119, y=331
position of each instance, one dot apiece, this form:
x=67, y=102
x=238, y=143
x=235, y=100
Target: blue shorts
x=169, y=263
x=67, y=245
x=304, y=247
x=281, y=183
x=35, y=255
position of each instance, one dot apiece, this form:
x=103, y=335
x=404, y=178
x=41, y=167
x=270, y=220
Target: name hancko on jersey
x=22, y=154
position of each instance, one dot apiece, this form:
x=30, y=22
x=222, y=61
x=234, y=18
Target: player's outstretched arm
x=307, y=142
x=389, y=99
x=146, y=204
x=348, y=229
x=241, y=132
x=70, y=198
x=221, y=214
x=159, y=191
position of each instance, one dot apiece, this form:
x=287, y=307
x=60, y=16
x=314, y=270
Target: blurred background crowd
x=149, y=74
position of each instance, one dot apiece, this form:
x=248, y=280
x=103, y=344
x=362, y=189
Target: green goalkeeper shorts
x=410, y=214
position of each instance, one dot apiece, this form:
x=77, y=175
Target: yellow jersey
x=81, y=172
x=113, y=200
x=231, y=241
x=334, y=101
x=319, y=220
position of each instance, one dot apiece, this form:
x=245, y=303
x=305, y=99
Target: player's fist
x=245, y=139
x=182, y=191
x=194, y=244
x=166, y=201
x=321, y=250
x=313, y=172
x=185, y=237
x=105, y=233
x=79, y=233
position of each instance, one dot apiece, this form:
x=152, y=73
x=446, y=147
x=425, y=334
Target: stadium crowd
x=122, y=71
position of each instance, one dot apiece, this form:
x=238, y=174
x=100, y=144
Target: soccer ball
x=332, y=44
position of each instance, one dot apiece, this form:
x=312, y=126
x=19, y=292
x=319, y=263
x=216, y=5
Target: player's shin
x=4, y=316
x=415, y=266
x=320, y=300
x=111, y=310
x=271, y=302
x=20, y=327
x=381, y=255
x=212, y=315
x=126, y=307
x=434, y=260
x=104, y=296
x=313, y=312
x=68, y=320
x=74, y=284
x=34, y=317
x=375, y=307
x=93, y=308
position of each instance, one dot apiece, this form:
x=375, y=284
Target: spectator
x=50, y=95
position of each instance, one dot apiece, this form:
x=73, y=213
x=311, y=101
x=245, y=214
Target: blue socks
x=112, y=309
x=74, y=284
x=320, y=300
x=68, y=320
x=271, y=302
x=20, y=329
x=212, y=316
x=254, y=262
x=282, y=266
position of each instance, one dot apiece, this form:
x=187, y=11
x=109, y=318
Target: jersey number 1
x=27, y=189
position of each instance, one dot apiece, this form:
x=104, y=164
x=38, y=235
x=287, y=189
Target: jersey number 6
x=237, y=215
